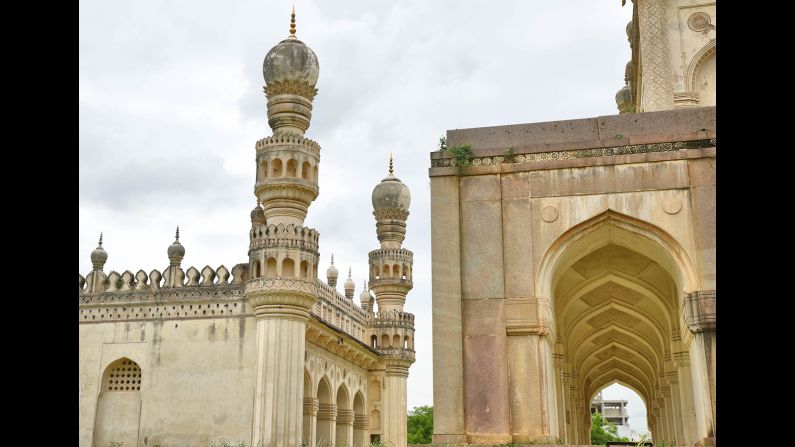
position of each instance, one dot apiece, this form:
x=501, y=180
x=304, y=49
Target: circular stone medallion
x=699, y=21
x=549, y=214
x=672, y=205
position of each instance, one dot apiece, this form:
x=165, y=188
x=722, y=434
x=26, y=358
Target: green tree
x=603, y=431
x=420, y=425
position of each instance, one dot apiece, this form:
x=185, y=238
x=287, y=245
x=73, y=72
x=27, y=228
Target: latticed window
x=123, y=375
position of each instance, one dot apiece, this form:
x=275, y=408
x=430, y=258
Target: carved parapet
x=284, y=297
x=392, y=318
x=182, y=294
x=293, y=143
x=699, y=311
x=285, y=236
x=97, y=282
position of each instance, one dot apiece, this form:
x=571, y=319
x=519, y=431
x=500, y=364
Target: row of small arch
x=290, y=168
x=397, y=342
x=400, y=271
x=126, y=281
x=287, y=269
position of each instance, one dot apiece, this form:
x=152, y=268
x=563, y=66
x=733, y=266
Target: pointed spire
x=99, y=255
x=177, y=236
x=349, y=273
x=332, y=259
x=176, y=251
x=100, y=238
x=292, y=24
x=390, y=163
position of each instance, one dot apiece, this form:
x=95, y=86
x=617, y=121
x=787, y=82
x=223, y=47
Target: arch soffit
x=692, y=69
x=649, y=353
x=663, y=249
x=618, y=364
x=613, y=305
x=324, y=381
x=624, y=280
x=312, y=391
x=591, y=361
x=358, y=401
x=593, y=381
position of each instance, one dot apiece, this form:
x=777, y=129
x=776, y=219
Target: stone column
x=360, y=425
x=281, y=307
x=311, y=405
x=394, y=414
x=676, y=403
x=699, y=311
x=688, y=412
x=326, y=425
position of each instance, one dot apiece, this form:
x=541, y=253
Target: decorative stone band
x=392, y=318
x=360, y=422
x=398, y=356
x=580, y=153
x=162, y=296
x=390, y=286
x=286, y=196
x=289, y=142
x=391, y=254
x=163, y=310
x=289, y=114
x=281, y=236
x=290, y=87
x=327, y=412
x=681, y=359
x=396, y=367
x=344, y=416
x=311, y=406
x=282, y=297
x=699, y=311
x=391, y=214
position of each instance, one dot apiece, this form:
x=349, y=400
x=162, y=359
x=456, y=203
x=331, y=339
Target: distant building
x=614, y=411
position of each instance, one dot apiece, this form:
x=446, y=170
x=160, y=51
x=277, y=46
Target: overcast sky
x=171, y=104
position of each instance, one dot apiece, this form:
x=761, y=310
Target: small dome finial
x=292, y=24
x=349, y=273
x=100, y=238
x=177, y=235
x=390, y=163
x=332, y=259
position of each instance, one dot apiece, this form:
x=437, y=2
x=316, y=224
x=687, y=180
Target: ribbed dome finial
x=390, y=163
x=100, y=238
x=177, y=235
x=292, y=25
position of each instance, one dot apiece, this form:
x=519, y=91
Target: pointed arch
x=610, y=226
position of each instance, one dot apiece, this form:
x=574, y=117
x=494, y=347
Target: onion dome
x=258, y=215
x=364, y=297
x=349, y=286
x=99, y=255
x=332, y=273
x=176, y=251
x=391, y=193
x=291, y=60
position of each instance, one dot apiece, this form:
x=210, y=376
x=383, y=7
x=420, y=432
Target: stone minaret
x=96, y=281
x=390, y=279
x=283, y=254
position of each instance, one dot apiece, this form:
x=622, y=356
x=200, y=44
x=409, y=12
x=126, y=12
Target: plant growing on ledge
x=509, y=156
x=461, y=154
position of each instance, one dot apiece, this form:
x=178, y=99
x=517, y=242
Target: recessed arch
x=621, y=229
x=119, y=403
x=699, y=58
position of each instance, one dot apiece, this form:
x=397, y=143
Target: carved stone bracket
x=699, y=311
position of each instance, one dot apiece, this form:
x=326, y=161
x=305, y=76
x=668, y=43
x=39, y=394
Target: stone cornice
x=447, y=161
x=699, y=311
x=164, y=295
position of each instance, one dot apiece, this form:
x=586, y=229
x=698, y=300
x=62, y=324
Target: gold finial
x=292, y=24
x=390, y=163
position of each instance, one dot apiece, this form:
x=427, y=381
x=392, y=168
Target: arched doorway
x=359, y=422
x=617, y=286
x=119, y=404
x=326, y=414
x=344, y=433
x=621, y=408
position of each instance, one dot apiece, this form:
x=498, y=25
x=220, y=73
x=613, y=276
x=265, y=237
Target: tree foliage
x=603, y=431
x=420, y=425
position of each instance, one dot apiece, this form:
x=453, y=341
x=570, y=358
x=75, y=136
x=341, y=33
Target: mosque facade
x=264, y=353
